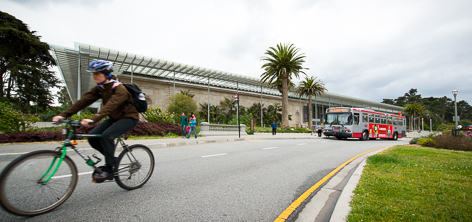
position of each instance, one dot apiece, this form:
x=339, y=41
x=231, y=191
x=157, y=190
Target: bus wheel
x=365, y=135
x=395, y=136
x=339, y=138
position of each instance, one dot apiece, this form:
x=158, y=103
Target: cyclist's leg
x=95, y=141
x=108, y=137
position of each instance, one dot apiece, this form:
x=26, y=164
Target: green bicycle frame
x=64, y=152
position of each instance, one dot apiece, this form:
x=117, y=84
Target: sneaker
x=102, y=177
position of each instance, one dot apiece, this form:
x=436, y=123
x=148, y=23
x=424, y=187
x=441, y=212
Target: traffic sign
x=235, y=96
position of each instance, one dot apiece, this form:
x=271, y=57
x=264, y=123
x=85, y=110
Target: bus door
x=357, y=125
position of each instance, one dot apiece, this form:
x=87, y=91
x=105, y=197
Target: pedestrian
x=313, y=129
x=193, y=125
x=183, y=125
x=320, y=129
x=274, y=128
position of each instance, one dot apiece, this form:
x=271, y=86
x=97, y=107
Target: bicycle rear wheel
x=134, y=167
x=22, y=191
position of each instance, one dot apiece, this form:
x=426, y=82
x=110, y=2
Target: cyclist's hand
x=85, y=122
x=57, y=118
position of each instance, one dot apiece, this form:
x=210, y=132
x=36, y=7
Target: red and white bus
x=343, y=122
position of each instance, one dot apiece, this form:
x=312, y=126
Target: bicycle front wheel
x=22, y=187
x=134, y=167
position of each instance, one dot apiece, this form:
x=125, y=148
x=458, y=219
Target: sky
x=369, y=49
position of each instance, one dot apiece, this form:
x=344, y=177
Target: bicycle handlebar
x=72, y=122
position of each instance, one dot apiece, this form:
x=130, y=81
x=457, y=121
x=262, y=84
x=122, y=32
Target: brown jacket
x=115, y=105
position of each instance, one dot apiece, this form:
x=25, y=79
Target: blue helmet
x=100, y=66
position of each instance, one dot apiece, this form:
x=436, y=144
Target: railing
x=455, y=132
x=208, y=129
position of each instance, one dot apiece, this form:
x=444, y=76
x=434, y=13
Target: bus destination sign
x=339, y=110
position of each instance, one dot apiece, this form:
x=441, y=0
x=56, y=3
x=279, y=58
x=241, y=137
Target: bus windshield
x=339, y=118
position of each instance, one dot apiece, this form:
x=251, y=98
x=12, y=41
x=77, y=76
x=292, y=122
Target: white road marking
x=221, y=154
x=69, y=175
x=301, y=144
x=269, y=148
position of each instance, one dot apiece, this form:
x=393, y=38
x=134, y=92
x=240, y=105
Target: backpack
x=139, y=101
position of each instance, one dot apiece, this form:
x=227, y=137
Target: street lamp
x=454, y=92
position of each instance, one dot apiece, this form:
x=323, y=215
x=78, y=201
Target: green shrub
x=158, y=115
x=14, y=121
x=86, y=114
x=428, y=142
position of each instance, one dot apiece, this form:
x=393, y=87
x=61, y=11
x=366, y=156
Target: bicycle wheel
x=22, y=191
x=134, y=167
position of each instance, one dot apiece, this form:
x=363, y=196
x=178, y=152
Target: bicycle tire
x=22, y=192
x=134, y=168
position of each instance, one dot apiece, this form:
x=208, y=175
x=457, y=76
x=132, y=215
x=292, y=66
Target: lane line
x=269, y=148
x=301, y=144
x=220, y=154
x=287, y=212
x=255, y=140
x=69, y=175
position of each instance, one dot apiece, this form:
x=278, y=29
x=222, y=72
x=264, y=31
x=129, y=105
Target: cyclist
x=123, y=116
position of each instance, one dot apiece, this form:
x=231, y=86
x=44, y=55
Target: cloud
x=367, y=49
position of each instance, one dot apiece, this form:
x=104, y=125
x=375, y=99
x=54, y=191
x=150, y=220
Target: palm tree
x=278, y=85
x=282, y=62
x=310, y=87
x=414, y=109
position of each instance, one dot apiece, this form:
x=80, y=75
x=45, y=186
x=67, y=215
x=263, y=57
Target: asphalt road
x=234, y=181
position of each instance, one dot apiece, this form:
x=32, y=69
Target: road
x=235, y=181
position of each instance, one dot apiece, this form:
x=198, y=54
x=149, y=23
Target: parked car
x=469, y=127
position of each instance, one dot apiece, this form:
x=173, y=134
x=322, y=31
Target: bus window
x=383, y=119
x=389, y=120
x=356, y=118
x=377, y=118
x=364, y=118
x=395, y=121
x=371, y=118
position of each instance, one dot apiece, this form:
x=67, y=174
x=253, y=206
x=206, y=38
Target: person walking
x=313, y=129
x=320, y=129
x=193, y=125
x=183, y=125
x=274, y=128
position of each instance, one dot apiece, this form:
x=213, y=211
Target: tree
x=283, y=62
x=24, y=65
x=187, y=93
x=414, y=109
x=229, y=103
x=63, y=97
x=180, y=103
x=273, y=114
x=310, y=87
x=278, y=85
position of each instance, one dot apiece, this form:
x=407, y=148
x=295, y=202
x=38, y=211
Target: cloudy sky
x=371, y=49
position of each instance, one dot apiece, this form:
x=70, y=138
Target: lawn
x=408, y=183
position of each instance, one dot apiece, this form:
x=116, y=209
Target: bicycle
x=40, y=181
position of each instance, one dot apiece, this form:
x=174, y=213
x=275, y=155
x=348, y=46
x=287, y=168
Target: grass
x=407, y=183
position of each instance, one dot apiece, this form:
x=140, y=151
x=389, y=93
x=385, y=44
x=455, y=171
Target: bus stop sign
x=235, y=96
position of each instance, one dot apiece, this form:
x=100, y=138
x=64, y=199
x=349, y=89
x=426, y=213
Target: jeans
x=106, y=143
x=274, y=131
x=194, y=129
x=184, y=130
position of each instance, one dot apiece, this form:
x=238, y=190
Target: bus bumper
x=338, y=134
